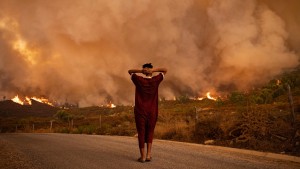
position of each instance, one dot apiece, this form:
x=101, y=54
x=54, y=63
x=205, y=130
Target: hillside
x=9, y=108
x=261, y=119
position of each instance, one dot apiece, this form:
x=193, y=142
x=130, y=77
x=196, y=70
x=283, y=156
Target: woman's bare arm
x=161, y=70
x=135, y=71
x=148, y=70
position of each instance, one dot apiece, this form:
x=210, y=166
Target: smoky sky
x=80, y=50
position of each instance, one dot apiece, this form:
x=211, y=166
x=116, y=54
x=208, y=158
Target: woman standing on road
x=146, y=105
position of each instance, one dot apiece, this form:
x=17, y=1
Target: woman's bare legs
x=149, y=155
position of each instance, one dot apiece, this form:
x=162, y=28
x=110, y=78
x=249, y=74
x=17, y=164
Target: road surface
x=70, y=151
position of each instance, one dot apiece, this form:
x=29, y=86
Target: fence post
x=51, y=123
x=100, y=121
x=291, y=104
x=69, y=122
x=196, y=118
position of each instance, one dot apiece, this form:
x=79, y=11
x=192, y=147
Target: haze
x=79, y=51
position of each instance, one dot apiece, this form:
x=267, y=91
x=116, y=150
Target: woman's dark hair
x=148, y=65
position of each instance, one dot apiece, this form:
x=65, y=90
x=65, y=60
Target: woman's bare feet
x=148, y=159
x=141, y=160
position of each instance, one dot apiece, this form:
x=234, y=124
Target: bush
x=62, y=130
x=219, y=102
x=207, y=130
x=87, y=129
x=237, y=97
x=63, y=115
x=182, y=99
x=209, y=126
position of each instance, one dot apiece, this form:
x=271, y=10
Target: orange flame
x=278, y=82
x=111, y=105
x=29, y=102
x=16, y=99
x=42, y=100
x=208, y=96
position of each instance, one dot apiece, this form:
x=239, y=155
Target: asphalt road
x=66, y=151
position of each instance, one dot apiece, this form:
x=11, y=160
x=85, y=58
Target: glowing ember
x=16, y=99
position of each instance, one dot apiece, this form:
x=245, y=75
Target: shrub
x=182, y=99
x=63, y=115
x=237, y=97
x=209, y=127
x=86, y=129
x=62, y=130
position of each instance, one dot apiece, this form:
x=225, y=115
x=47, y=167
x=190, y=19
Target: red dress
x=146, y=106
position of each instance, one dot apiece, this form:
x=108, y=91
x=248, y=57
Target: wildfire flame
x=111, y=105
x=16, y=99
x=278, y=82
x=208, y=96
x=42, y=100
x=27, y=100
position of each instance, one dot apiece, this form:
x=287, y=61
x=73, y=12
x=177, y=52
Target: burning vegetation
x=207, y=96
x=233, y=47
x=27, y=100
x=261, y=119
x=69, y=54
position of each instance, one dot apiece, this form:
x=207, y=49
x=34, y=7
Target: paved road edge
x=243, y=151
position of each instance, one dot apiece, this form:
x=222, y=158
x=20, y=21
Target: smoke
x=80, y=51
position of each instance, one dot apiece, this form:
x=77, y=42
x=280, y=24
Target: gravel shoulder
x=12, y=158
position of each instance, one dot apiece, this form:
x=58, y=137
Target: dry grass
x=264, y=127
x=177, y=130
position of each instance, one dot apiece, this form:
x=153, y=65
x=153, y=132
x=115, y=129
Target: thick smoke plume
x=79, y=51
